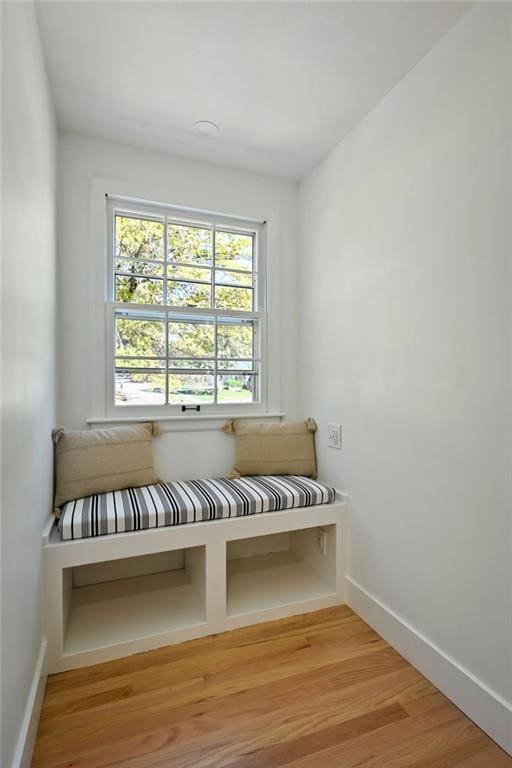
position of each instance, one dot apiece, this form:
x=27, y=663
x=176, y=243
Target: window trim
x=101, y=352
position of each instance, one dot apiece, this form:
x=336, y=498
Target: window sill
x=190, y=423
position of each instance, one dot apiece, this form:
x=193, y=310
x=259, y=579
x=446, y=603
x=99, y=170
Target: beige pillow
x=264, y=448
x=99, y=460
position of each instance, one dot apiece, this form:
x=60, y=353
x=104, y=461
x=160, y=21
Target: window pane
x=233, y=278
x=235, y=339
x=188, y=294
x=234, y=298
x=140, y=388
x=236, y=389
x=234, y=251
x=139, y=290
x=189, y=244
x=139, y=337
x=236, y=365
x=191, y=338
x=190, y=388
x=137, y=267
x=191, y=365
x=139, y=238
x=139, y=363
x=190, y=273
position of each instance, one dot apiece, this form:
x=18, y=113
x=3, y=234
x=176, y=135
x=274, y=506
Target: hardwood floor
x=316, y=691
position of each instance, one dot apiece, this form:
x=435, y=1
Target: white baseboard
x=484, y=706
x=28, y=731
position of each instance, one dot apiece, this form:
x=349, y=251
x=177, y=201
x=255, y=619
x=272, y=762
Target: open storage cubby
x=115, y=601
x=280, y=569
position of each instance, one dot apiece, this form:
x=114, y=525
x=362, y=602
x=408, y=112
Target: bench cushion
x=190, y=501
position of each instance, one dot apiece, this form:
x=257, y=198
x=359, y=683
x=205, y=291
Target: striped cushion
x=190, y=501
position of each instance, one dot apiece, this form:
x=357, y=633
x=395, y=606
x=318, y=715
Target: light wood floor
x=315, y=691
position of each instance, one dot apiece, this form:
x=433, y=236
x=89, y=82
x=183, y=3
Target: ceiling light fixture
x=206, y=128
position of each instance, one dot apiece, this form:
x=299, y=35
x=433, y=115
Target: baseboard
x=28, y=731
x=485, y=707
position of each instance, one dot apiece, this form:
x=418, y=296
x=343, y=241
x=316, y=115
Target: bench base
x=113, y=596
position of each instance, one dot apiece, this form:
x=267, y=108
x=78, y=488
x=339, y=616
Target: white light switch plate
x=334, y=436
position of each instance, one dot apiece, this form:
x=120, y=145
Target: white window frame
x=105, y=193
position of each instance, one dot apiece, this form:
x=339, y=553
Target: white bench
x=112, y=596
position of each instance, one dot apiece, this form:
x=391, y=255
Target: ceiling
x=285, y=81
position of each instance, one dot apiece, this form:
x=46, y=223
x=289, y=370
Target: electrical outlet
x=321, y=540
x=334, y=436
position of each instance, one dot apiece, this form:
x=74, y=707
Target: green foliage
x=233, y=298
x=135, y=290
x=194, y=338
x=137, y=337
x=180, y=294
x=139, y=238
x=235, y=340
x=233, y=251
x=189, y=244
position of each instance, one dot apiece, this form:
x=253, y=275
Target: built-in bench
x=187, y=501
x=127, y=574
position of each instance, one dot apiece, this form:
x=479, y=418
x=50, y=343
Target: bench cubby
x=271, y=570
x=121, y=600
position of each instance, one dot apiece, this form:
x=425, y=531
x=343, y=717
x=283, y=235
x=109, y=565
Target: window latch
x=190, y=408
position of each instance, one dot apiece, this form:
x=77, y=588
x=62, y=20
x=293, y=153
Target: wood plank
x=159, y=705
x=260, y=708
x=407, y=744
x=228, y=752
x=183, y=686
x=314, y=691
x=491, y=756
x=198, y=657
x=239, y=638
x=252, y=711
x=284, y=751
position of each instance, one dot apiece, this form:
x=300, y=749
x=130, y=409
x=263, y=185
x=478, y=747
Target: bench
x=205, y=568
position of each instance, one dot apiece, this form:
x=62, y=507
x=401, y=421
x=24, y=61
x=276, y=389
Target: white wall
x=28, y=352
x=82, y=158
x=405, y=340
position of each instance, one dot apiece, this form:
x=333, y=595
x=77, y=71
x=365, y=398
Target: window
x=186, y=309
